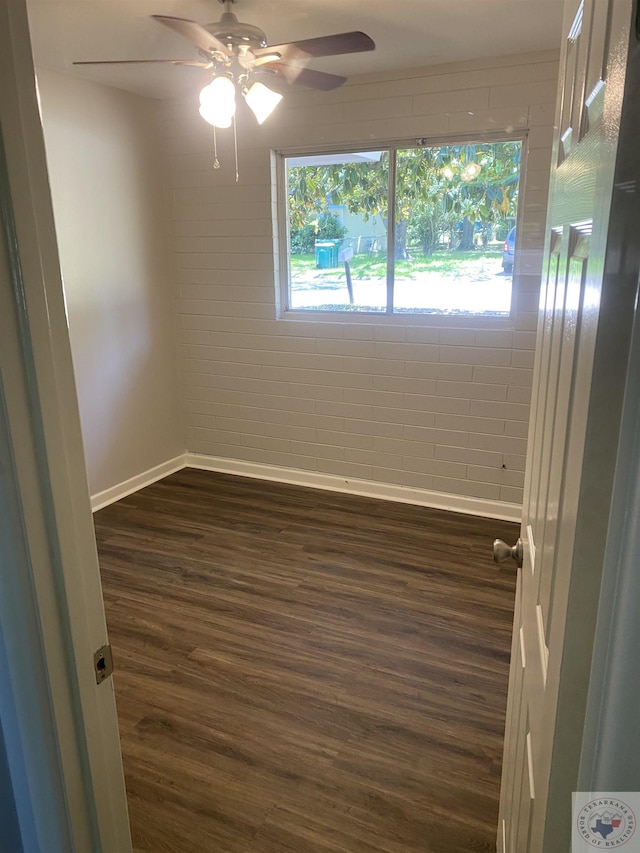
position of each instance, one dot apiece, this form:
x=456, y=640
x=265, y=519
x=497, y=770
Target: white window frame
x=281, y=231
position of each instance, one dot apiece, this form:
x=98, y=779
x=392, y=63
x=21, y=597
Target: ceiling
x=407, y=33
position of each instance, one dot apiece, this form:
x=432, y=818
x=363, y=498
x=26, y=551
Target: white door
x=581, y=362
x=59, y=725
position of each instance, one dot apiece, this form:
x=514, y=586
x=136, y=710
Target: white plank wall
x=393, y=401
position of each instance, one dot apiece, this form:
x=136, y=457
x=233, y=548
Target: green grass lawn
x=444, y=263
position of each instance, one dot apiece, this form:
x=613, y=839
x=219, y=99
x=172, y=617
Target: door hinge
x=103, y=663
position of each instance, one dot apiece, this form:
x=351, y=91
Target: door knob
x=502, y=552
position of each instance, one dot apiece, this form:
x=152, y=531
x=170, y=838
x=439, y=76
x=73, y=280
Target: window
x=427, y=229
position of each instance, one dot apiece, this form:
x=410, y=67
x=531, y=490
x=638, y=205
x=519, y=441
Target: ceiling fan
x=240, y=51
x=238, y=58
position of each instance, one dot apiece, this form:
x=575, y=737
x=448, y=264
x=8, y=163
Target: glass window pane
x=455, y=210
x=337, y=231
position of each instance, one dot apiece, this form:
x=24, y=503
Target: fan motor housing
x=232, y=31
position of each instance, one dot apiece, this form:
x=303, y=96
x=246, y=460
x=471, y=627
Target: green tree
x=302, y=239
x=438, y=189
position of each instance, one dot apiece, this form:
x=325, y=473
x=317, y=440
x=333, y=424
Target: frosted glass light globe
x=218, y=102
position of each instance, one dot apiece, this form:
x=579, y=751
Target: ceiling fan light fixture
x=216, y=118
x=218, y=102
x=261, y=100
x=220, y=90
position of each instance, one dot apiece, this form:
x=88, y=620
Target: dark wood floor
x=304, y=671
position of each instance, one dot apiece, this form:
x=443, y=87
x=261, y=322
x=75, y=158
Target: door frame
x=610, y=757
x=45, y=449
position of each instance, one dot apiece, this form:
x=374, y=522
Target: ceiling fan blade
x=195, y=62
x=196, y=34
x=299, y=51
x=304, y=76
x=272, y=56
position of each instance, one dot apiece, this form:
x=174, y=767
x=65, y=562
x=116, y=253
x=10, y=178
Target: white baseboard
x=313, y=480
x=115, y=493
x=365, y=488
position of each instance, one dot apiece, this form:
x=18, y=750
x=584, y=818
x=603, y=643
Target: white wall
x=108, y=202
x=412, y=404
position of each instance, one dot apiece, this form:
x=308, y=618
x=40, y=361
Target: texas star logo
x=606, y=823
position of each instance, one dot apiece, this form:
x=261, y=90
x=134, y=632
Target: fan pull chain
x=235, y=145
x=216, y=162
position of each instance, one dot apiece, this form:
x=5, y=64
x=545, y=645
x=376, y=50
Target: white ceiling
x=407, y=33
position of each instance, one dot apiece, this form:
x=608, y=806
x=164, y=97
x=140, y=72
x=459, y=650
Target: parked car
x=508, y=251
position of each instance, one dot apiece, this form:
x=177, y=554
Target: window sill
x=480, y=321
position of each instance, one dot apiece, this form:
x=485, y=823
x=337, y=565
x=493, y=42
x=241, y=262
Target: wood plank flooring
x=299, y=671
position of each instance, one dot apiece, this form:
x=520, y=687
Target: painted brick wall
x=391, y=401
